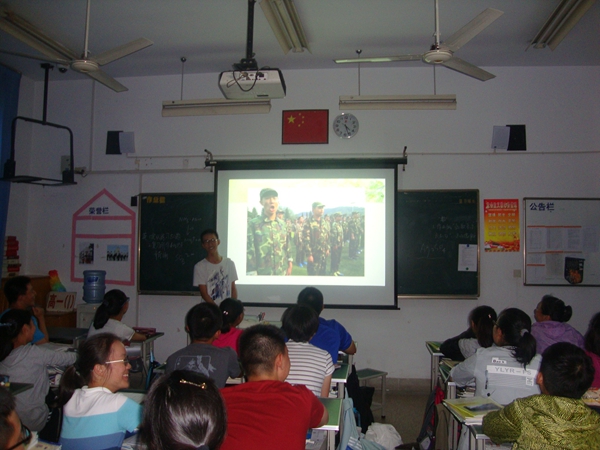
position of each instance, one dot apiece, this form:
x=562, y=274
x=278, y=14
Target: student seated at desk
x=203, y=323
x=95, y=417
x=266, y=413
x=331, y=335
x=184, y=409
x=558, y=418
x=26, y=363
x=514, y=349
x=551, y=317
x=592, y=347
x=20, y=294
x=109, y=315
x=232, y=311
x=310, y=365
x=479, y=334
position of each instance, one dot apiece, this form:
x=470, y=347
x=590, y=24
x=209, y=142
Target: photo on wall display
x=117, y=253
x=86, y=253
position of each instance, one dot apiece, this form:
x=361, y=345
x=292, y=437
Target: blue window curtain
x=9, y=102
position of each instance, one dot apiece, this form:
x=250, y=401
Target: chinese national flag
x=306, y=126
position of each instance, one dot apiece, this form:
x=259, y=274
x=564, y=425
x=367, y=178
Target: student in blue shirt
x=331, y=335
x=20, y=295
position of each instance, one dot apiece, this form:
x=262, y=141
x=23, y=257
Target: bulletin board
x=169, y=240
x=437, y=240
x=562, y=241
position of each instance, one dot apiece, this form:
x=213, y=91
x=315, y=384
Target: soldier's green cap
x=317, y=205
x=268, y=193
x=280, y=211
x=337, y=214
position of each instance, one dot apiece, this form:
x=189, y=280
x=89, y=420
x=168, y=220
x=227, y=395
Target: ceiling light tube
x=408, y=102
x=214, y=107
x=285, y=23
x=561, y=21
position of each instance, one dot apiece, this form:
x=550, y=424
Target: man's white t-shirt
x=216, y=277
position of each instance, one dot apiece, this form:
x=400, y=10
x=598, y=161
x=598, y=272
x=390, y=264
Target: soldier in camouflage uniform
x=316, y=241
x=353, y=235
x=337, y=243
x=268, y=246
x=299, y=242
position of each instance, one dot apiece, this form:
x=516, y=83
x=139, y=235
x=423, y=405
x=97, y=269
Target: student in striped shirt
x=310, y=365
x=95, y=417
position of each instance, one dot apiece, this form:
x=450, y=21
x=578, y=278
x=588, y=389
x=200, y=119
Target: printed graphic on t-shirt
x=217, y=285
x=200, y=364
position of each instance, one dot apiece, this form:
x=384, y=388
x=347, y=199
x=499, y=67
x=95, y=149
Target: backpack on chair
x=426, y=438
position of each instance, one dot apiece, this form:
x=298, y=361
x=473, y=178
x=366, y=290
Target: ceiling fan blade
x=466, y=68
x=472, y=29
x=121, y=51
x=106, y=80
x=32, y=36
x=63, y=62
x=379, y=59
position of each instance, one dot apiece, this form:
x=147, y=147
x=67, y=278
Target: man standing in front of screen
x=268, y=246
x=316, y=241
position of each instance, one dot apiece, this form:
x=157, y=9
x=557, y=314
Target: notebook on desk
x=149, y=332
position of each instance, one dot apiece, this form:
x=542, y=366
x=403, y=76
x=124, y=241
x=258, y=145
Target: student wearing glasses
x=13, y=434
x=95, y=416
x=215, y=275
x=109, y=315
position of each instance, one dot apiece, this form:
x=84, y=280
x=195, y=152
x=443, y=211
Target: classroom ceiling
x=211, y=34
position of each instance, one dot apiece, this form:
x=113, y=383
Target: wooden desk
x=334, y=408
x=340, y=376
x=146, y=347
x=433, y=348
x=66, y=335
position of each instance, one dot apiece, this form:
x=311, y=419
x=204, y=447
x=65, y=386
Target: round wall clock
x=345, y=125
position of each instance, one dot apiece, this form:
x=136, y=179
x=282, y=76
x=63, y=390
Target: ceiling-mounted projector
x=252, y=83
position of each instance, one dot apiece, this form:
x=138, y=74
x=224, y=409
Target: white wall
x=446, y=149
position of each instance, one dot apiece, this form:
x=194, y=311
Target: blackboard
x=169, y=240
x=562, y=241
x=434, y=229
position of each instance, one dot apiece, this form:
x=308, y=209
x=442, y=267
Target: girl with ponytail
x=506, y=370
x=27, y=363
x=95, y=416
x=232, y=311
x=551, y=316
x=108, y=317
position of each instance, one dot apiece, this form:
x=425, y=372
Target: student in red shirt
x=266, y=413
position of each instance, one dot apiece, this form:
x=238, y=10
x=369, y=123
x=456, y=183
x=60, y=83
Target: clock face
x=345, y=125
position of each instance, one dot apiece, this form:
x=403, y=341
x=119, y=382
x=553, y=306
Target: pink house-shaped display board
x=103, y=238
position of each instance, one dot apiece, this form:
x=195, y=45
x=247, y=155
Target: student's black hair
x=567, y=370
x=111, y=306
x=231, y=310
x=484, y=317
x=183, y=410
x=592, y=335
x=11, y=324
x=7, y=406
x=203, y=321
x=208, y=231
x=515, y=325
x=555, y=308
x=14, y=287
x=95, y=350
x=311, y=296
x=259, y=345
x=300, y=323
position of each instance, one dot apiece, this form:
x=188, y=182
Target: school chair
x=367, y=374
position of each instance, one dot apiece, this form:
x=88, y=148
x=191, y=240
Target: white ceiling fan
x=442, y=52
x=59, y=54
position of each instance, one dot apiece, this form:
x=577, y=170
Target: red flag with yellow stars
x=305, y=126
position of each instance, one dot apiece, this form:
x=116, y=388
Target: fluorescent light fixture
x=285, y=23
x=397, y=101
x=214, y=107
x=561, y=21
